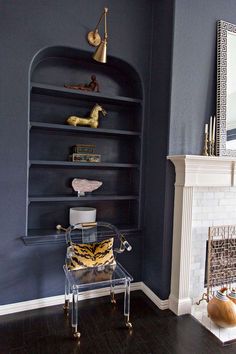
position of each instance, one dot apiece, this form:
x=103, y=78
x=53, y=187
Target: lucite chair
x=96, y=267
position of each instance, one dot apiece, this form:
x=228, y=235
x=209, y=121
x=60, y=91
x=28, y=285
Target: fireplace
x=205, y=196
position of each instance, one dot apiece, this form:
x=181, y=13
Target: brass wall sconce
x=95, y=40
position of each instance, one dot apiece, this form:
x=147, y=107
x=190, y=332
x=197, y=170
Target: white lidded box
x=82, y=215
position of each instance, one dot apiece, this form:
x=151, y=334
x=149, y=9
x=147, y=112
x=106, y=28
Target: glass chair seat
x=92, y=278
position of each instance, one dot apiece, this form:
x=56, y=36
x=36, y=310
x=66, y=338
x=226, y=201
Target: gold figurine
x=91, y=121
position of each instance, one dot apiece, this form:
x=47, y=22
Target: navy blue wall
x=194, y=70
x=25, y=28
x=182, y=97
x=179, y=91
x=159, y=190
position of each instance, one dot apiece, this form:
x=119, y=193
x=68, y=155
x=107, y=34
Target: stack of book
x=84, y=153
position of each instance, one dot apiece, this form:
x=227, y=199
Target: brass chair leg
x=113, y=300
x=128, y=324
x=77, y=334
x=66, y=306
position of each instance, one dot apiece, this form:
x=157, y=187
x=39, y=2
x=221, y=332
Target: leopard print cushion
x=92, y=255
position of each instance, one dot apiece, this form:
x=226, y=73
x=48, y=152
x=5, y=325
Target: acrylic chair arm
x=124, y=245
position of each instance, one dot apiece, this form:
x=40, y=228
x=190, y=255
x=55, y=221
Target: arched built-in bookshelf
x=118, y=139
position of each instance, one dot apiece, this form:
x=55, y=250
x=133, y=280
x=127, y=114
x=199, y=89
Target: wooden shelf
x=45, y=236
x=80, y=199
x=72, y=129
x=119, y=141
x=97, y=165
x=52, y=90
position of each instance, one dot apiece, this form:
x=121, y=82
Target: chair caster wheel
x=66, y=311
x=77, y=335
x=66, y=306
x=128, y=325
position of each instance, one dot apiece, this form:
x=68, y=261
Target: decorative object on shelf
x=92, y=158
x=83, y=149
x=209, y=139
x=92, y=86
x=91, y=121
x=221, y=310
x=82, y=186
x=84, y=153
x=80, y=215
x=232, y=295
x=95, y=40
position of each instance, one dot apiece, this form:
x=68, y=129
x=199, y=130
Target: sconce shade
x=100, y=54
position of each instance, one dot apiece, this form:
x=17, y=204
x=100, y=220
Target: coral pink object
x=84, y=185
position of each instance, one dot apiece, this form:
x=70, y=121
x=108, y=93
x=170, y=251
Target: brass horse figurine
x=91, y=121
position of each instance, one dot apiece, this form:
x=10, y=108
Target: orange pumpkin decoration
x=221, y=310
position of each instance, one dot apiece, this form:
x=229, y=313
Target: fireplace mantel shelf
x=204, y=171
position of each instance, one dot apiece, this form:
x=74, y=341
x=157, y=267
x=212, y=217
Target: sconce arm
x=100, y=19
x=94, y=37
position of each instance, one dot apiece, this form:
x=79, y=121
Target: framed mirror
x=226, y=89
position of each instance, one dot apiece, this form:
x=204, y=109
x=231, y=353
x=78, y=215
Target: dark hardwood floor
x=47, y=331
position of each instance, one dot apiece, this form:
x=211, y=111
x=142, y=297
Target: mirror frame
x=221, y=96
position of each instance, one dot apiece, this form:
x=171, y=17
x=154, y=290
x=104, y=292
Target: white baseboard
x=31, y=304
x=58, y=300
x=161, y=304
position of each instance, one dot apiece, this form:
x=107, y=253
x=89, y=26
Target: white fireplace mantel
x=191, y=171
x=204, y=171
